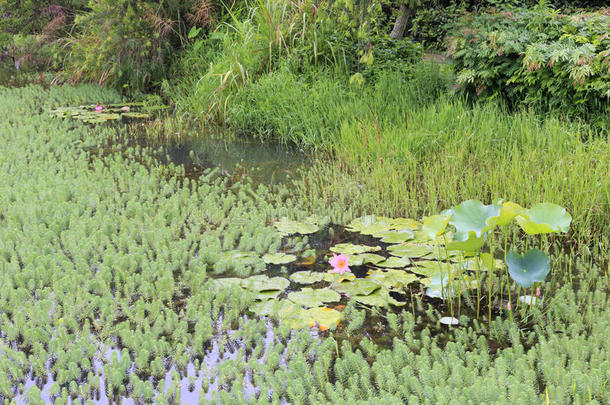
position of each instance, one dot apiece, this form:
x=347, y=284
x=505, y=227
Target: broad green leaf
x=472, y=243
x=286, y=227
x=324, y=318
x=380, y=298
x=472, y=219
x=310, y=297
x=240, y=258
x=397, y=236
x=306, y=277
x=267, y=295
x=405, y=224
x=369, y=224
x=264, y=283
x=364, y=258
x=375, y=229
x=544, y=218
x=508, y=212
x=279, y=258
x=532, y=267
x=350, y=249
x=395, y=262
x=359, y=286
x=271, y=307
x=432, y=227
x=392, y=279
x=431, y=268
x=338, y=278
x=410, y=250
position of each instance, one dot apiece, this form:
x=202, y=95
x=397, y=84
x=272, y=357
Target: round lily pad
x=324, y=318
x=364, y=258
x=395, y=262
x=380, y=298
x=286, y=227
x=350, y=249
x=306, y=277
x=279, y=258
x=472, y=219
x=310, y=297
x=271, y=307
x=392, y=279
x=369, y=224
x=338, y=278
x=410, y=250
x=400, y=236
x=405, y=224
x=357, y=287
x=264, y=283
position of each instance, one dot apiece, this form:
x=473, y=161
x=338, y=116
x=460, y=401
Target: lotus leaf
x=359, y=286
x=350, y=249
x=395, y=262
x=508, y=212
x=267, y=295
x=359, y=260
x=544, y=218
x=338, y=278
x=310, y=297
x=306, y=277
x=532, y=267
x=286, y=227
x=472, y=243
x=279, y=258
x=264, y=283
x=472, y=219
x=400, y=236
x=410, y=250
x=380, y=298
x=432, y=227
x=405, y=224
x=392, y=279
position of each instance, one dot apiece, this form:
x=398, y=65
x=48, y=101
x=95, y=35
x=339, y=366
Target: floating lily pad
x=267, y=295
x=405, y=224
x=135, y=115
x=357, y=287
x=279, y=258
x=395, y=262
x=380, y=298
x=400, y=236
x=306, y=277
x=310, y=297
x=264, y=283
x=544, y=218
x=532, y=267
x=237, y=257
x=392, y=279
x=324, y=318
x=364, y=258
x=410, y=250
x=271, y=307
x=286, y=227
x=338, y=278
x=350, y=249
x=369, y=224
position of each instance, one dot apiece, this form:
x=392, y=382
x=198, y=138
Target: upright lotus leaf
x=364, y=258
x=399, y=236
x=395, y=262
x=350, y=249
x=400, y=224
x=279, y=258
x=392, y=279
x=471, y=244
x=508, y=212
x=432, y=227
x=286, y=227
x=264, y=283
x=544, y=218
x=380, y=298
x=359, y=286
x=472, y=219
x=532, y=267
x=410, y=250
x=310, y=297
x=306, y=277
x=324, y=318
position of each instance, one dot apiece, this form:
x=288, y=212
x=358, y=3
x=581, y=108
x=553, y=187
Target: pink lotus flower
x=98, y=108
x=340, y=264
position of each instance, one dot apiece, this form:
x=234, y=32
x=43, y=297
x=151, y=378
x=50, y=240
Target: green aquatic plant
x=531, y=267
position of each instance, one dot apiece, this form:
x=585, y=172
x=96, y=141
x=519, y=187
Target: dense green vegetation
x=446, y=239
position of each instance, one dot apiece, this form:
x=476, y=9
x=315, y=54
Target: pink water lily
x=340, y=264
x=98, y=108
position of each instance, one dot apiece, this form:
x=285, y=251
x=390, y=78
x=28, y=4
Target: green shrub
x=536, y=57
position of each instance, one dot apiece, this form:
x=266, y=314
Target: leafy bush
x=536, y=57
